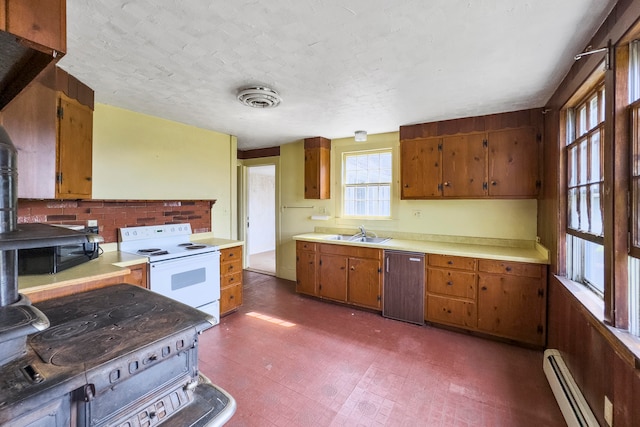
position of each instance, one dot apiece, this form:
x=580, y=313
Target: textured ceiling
x=338, y=65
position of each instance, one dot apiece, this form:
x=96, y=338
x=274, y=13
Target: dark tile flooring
x=290, y=360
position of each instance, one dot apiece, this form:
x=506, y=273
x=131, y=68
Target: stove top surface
x=161, y=242
x=92, y=329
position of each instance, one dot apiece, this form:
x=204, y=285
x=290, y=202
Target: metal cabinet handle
x=508, y=268
x=449, y=283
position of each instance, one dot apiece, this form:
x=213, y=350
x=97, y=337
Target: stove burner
x=185, y=244
x=148, y=251
x=159, y=253
x=94, y=347
x=130, y=311
x=195, y=247
x=66, y=330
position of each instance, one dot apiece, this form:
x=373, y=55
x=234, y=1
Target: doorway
x=261, y=218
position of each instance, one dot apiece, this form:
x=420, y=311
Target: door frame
x=243, y=204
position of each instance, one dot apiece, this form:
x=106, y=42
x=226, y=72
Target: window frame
x=344, y=185
x=634, y=179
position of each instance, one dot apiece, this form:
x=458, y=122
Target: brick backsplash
x=114, y=214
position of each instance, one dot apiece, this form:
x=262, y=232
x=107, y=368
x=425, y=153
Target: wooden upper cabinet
x=52, y=133
x=493, y=156
x=420, y=172
x=513, y=162
x=75, y=134
x=463, y=166
x=41, y=22
x=317, y=168
x=33, y=34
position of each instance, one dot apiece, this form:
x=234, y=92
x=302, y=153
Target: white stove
x=178, y=268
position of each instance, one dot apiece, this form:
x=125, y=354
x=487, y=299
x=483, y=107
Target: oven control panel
x=128, y=234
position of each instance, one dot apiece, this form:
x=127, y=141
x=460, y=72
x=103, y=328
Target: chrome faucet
x=362, y=231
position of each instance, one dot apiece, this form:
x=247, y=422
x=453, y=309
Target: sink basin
x=356, y=238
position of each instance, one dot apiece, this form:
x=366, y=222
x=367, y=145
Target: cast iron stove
x=116, y=356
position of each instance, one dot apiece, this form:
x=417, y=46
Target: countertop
x=111, y=263
x=507, y=250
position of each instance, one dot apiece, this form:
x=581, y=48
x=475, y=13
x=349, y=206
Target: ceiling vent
x=259, y=97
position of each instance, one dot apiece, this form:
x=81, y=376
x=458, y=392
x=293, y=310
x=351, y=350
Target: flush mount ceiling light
x=361, y=135
x=259, y=97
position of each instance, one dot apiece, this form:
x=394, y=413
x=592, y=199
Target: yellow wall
x=141, y=157
x=504, y=219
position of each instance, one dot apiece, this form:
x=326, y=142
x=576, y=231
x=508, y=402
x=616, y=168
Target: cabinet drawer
x=451, y=311
x=231, y=254
x=231, y=267
x=449, y=261
x=510, y=267
x=306, y=246
x=451, y=282
x=231, y=279
x=230, y=298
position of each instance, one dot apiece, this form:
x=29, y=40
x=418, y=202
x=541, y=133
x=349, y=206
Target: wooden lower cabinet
x=230, y=279
x=452, y=311
x=364, y=283
x=306, y=268
x=348, y=274
x=512, y=300
x=332, y=277
x=138, y=275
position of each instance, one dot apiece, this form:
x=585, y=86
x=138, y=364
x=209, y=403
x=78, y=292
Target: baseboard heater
x=574, y=407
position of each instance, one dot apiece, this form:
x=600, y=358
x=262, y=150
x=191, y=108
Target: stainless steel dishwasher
x=403, y=296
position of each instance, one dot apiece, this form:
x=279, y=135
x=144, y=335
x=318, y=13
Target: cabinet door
x=317, y=162
x=512, y=307
x=75, y=133
x=332, y=279
x=39, y=21
x=451, y=311
x=306, y=272
x=230, y=298
x=365, y=284
x=513, y=163
x=464, y=166
x=454, y=283
x=420, y=169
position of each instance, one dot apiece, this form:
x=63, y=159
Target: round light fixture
x=361, y=135
x=259, y=97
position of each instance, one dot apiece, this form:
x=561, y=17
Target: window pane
x=572, y=165
x=385, y=161
x=582, y=209
x=596, y=210
x=593, y=110
x=573, y=209
x=350, y=177
x=636, y=211
x=582, y=162
x=582, y=121
x=594, y=265
x=595, y=171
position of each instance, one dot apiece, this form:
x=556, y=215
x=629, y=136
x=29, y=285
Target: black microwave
x=54, y=259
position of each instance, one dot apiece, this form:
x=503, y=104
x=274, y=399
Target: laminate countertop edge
x=529, y=253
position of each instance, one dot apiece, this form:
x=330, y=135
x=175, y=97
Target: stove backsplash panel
x=114, y=214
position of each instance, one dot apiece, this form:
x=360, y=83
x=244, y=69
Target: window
x=585, y=182
x=367, y=184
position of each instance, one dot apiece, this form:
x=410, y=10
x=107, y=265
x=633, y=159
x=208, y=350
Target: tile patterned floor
x=290, y=360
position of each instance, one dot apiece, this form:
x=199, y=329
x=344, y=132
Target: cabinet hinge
x=540, y=293
x=485, y=143
x=539, y=137
x=379, y=298
x=59, y=178
x=538, y=184
x=540, y=329
x=485, y=186
x=439, y=187
x=440, y=147
x=60, y=112
x=379, y=270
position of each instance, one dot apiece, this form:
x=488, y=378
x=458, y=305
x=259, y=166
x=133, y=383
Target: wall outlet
x=608, y=411
x=92, y=223
x=417, y=213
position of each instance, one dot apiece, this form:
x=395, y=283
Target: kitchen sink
x=358, y=238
